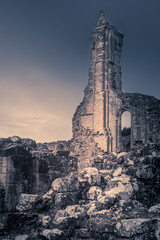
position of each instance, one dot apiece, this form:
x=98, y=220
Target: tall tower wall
x=104, y=102
x=104, y=76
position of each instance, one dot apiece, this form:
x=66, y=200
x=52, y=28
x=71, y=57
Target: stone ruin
x=100, y=185
x=103, y=104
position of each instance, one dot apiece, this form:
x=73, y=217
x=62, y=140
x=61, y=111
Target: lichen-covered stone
x=65, y=184
x=101, y=222
x=52, y=233
x=62, y=200
x=26, y=202
x=45, y=220
x=132, y=227
x=106, y=200
x=117, y=172
x=146, y=172
x=129, y=208
x=154, y=209
x=82, y=233
x=90, y=175
x=48, y=195
x=120, y=190
x=94, y=192
x=21, y=237
x=121, y=154
x=74, y=211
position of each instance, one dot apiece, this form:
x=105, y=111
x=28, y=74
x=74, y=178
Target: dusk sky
x=45, y=57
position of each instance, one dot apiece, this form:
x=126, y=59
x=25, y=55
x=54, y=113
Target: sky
x=45, y=57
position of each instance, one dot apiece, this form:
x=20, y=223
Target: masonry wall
x=104, y=102
x=28, y=168
x=145, y=117
x=15, y=176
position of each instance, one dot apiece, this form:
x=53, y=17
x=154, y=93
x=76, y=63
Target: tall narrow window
x=126, y=131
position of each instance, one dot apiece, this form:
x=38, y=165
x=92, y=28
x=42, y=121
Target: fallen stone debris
x=119, y=202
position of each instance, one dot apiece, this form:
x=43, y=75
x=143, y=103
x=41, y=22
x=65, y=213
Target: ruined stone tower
x=104, y=82
x=104, y=102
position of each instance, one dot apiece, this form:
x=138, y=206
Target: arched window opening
x=126, y=131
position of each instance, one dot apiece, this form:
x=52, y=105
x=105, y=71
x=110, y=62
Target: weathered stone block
x=21, y=237
x=62, y=200
x=132, y=227
x=65, y=184
x=94, y=192
x=26, y=202
x=154, y=209
x=52, y=233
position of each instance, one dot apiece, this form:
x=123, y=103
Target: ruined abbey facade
x=104, y=102
x=30, y=167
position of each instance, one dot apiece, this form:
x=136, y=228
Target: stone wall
x=15, y=178
x=27, y=167
x=104, y=102
x=54, y=146
x=145, y=117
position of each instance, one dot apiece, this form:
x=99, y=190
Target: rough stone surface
x=98, y=117
x=27, y=167
x=66, y=184
x=131, y=227
x=94, y=193
x=154, y=209
x=51, y=233
x=62, y=200
x=89, y=175
x=117, y=172
x=22, y=237
x=26, y=202
x=80, y=189
x=45, y=220
x=95, y=204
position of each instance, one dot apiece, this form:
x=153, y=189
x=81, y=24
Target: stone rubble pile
x=118, y=201
x=30, y=167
